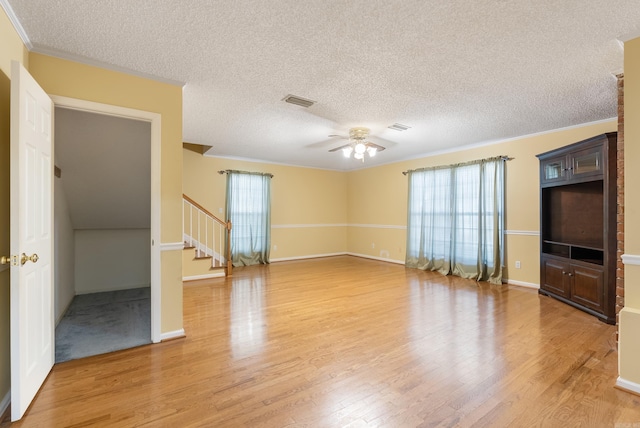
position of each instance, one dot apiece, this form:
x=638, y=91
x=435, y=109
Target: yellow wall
x=11, y=48
x=75, y=80
x=373, y=201
x=308, y=206
x=629, y=347
x=378, y=197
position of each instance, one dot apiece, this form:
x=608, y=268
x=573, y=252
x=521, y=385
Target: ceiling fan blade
x=343, y=137
x=376, y=146
x=339, y=148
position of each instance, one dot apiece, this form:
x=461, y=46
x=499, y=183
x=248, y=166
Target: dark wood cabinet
x=578, y=225
x=555, y=276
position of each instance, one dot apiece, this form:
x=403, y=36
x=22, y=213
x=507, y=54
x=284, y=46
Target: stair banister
x=202, y=242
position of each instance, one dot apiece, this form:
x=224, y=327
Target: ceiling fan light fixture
x=358, y=147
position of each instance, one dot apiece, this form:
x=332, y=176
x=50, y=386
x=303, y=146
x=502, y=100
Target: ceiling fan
x=358, y=144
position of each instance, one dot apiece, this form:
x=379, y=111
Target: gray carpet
x=104, y=322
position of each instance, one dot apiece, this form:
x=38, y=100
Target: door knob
x=13, y=260
x=32, y=258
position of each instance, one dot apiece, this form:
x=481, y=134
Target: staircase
x=205, y=236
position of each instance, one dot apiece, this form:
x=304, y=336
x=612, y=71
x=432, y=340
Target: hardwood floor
x=345, y=341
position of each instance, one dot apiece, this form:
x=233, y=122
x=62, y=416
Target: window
x=456, y=219
x=249, y=210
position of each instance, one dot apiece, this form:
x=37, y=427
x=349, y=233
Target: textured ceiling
x=457, y=72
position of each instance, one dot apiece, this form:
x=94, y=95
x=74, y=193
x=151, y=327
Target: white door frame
x=155, y=120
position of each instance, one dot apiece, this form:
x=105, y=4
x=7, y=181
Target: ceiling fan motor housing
x=358, y=133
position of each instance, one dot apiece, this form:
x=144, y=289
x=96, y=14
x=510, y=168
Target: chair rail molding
x=171, y=246
x=630, y=259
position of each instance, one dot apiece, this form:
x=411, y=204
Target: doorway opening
x=106, y=228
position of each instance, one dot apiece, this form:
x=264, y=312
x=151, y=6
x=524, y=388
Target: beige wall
x=377, y=199
x=64, y=252
x=11, y=48
x=308, y=206
x=629, y=347
x=111, y=259
x=74, y=80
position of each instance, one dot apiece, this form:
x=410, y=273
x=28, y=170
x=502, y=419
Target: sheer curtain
x=249, y=210
x=455, y=219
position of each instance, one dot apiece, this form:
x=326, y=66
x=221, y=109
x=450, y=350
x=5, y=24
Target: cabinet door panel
x=554, y=170
x=587, y=162
x=556, y=278
x=588, y=287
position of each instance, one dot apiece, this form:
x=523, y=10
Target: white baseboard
x=4, y=404
x=176, y=334
x=317, y=256
x=628, y=386
x=381, y=259
x=313, y=256
x=206, y=276
x=523, y=284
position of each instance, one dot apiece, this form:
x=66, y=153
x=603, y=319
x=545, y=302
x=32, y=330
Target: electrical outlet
x=275, y=248
x=220, y=210
x=517, y=264
x=373, y=245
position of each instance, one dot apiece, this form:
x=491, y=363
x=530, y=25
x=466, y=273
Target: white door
x=32, y=325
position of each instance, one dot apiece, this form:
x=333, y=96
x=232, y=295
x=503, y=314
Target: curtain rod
x=428, y=168
x=227, y=171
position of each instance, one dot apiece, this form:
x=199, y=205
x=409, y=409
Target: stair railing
x=206, y=233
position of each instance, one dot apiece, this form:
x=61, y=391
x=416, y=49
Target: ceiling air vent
x=292, y=99
x=399, y=127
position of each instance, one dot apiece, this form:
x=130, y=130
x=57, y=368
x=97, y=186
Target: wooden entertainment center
x=578, y=225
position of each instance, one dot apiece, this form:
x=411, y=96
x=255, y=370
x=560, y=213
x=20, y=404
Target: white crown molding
x=422, y=155
x=16, y=24
x=486, y=143
x=101, y=64
x=36, y=48
x=243, y=159
x=629, y=36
